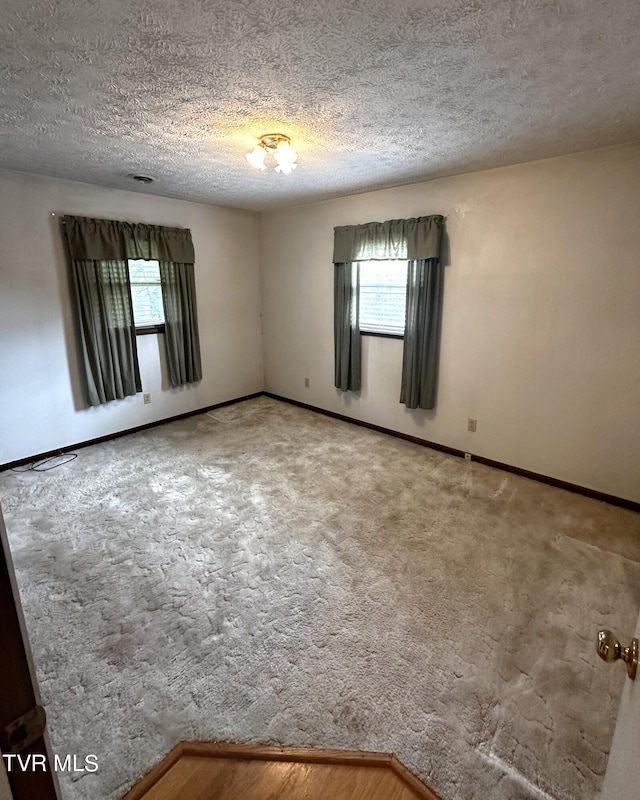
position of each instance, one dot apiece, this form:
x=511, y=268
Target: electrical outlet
x=146, y=398
x=472, y=425
x=467, y=456
x=306, y=383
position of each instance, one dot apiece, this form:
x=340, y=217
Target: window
x=146, y=296
x=383, y=292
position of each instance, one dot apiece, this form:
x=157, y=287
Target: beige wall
x=541, y=315
x=40, y=400
x=540, y=333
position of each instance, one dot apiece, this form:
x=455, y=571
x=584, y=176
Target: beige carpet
x=266, y=574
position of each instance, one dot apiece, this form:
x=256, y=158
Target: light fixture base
x=278, y=147
x=270, y=141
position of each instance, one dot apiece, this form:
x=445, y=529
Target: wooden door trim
x=152, y=777
x=353, y=758
x=18, y=683
x=308, y=755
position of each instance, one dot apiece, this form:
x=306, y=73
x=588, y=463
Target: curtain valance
x=411, y=239
x=105, y=239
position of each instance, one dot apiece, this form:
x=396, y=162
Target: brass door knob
x=610, y=650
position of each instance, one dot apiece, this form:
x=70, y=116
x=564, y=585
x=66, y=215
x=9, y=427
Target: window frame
x=156, y=327
x=144, y=330
x=382, y=334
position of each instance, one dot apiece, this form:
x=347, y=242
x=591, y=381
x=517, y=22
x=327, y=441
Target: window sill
x=383, y=335
x=144, y=330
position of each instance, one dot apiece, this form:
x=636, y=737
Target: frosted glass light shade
x=256, y=157
x=279, y=147
x=285, y=157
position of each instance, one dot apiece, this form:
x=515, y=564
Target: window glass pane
x=144, y=271
x=146, y=293
x=147, y=305
x=383, y=290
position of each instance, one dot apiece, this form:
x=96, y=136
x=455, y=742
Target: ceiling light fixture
x=277, y=145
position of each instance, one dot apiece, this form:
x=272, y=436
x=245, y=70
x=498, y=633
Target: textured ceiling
x=372, y=94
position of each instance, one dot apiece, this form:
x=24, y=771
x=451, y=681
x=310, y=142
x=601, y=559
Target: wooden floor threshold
x=224, y=771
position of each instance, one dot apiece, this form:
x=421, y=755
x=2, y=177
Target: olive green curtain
x=103, y=301
x=416, y=240
x=104, y=239
x=346, y=327
x=107, y=333
x=181, y=322
x=425, y=285
x=401, y=239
